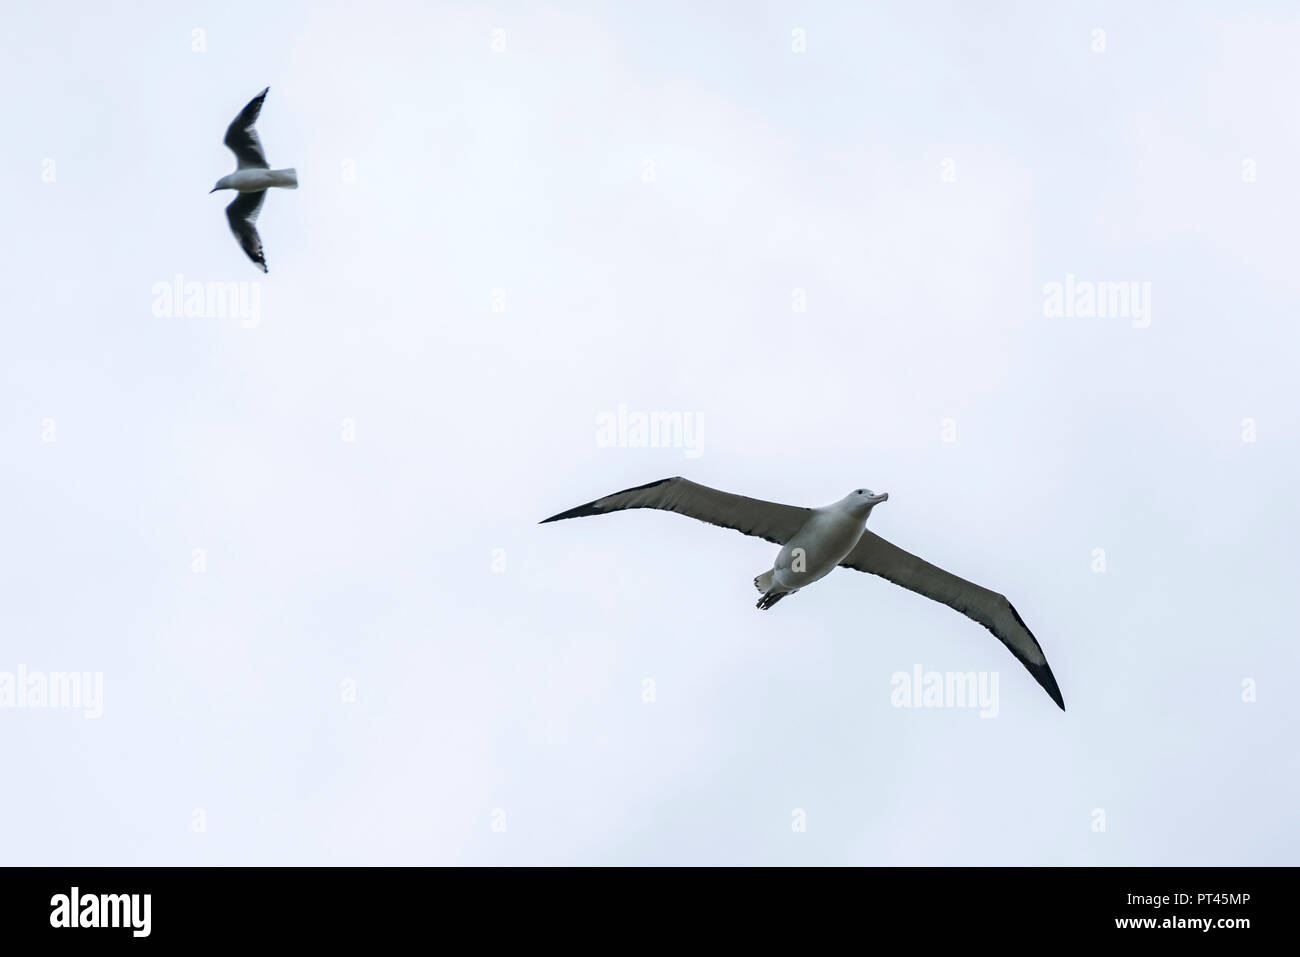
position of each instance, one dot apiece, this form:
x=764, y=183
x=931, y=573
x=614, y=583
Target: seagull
x=815, y=540
x=252, y=177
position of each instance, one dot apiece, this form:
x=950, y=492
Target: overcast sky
x=301, y=549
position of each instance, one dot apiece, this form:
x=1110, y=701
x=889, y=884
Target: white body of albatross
x=251, y=179
x=814, y=541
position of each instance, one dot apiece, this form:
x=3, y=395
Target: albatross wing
x=242, y=213
x=876, y=556
x=767, y=520
x=242, y=138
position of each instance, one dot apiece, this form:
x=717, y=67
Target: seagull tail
x=764, y=581
x=286, y=178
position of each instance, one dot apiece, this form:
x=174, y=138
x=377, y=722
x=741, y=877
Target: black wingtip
x=579, y=512
x=582, y=511
x=1043, y=675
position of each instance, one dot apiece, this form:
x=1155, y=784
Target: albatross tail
x=287, y=178
x=764, y=584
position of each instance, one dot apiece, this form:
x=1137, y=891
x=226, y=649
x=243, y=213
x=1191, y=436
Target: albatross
x=251, y=179
x=814, y=541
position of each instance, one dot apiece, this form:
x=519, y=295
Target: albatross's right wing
x=242, y=138
x=767, y=520
x=876, y=556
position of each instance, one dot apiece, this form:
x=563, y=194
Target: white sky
x=523, y=171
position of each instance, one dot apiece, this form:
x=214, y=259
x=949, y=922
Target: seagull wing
x=876, y=556
x=242, y=213
x=242, y=138
x=767, y=520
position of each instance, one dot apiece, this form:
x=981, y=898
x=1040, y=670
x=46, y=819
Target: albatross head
x=861, y=501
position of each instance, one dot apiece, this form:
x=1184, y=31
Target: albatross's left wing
x=242, y=213
x=242, y=138
x=876, y=556
x=767, y=520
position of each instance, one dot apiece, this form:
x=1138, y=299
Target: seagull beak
x=877, y=499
